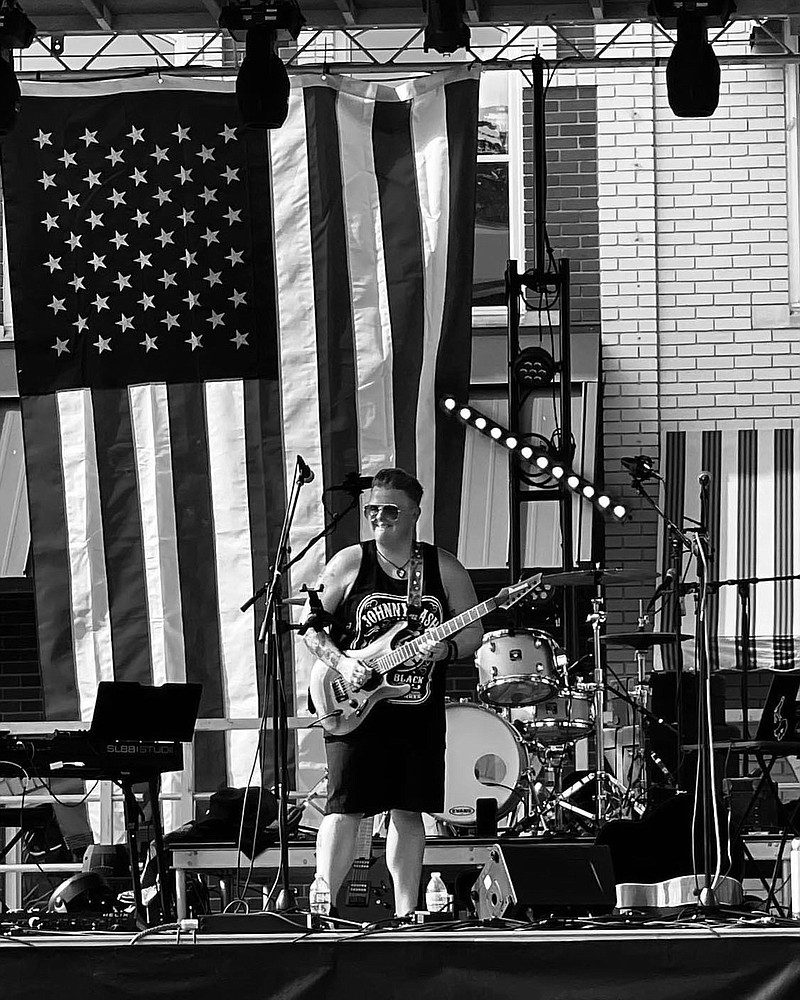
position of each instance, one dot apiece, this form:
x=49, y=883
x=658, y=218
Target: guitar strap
x=415, y=581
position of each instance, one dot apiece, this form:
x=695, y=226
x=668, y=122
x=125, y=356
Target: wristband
x=452, y=653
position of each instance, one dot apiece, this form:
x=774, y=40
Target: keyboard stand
x=131, y=813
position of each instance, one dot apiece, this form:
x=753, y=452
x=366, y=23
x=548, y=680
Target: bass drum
x=485, y=759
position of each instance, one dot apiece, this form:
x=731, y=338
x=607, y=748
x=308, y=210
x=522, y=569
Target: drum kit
x=507, y=753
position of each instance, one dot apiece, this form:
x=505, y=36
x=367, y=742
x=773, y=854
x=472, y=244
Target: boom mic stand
x=270, y=636
x=706, y=797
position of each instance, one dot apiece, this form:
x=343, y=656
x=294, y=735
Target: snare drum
x=519, y=667
x=484, y=759
x=563, y=718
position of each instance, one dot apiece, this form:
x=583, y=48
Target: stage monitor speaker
x=529, y=880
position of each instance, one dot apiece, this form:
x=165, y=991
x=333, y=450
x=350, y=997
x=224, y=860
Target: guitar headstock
x=515, y=592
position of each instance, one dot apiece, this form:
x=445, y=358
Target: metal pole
x=514, y=525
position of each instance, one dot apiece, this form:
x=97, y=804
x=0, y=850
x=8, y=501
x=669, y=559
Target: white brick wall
x=694, y=244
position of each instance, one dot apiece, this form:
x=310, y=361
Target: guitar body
x=333, y=697
x=366, y=895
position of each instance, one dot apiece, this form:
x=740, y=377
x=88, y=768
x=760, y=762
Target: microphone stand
x=706, y=793
x=270, y=637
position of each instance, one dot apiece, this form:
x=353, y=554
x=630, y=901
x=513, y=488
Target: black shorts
x=369, y=777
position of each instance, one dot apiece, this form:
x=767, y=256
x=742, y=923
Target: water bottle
x=319, y=896
x=436, y=897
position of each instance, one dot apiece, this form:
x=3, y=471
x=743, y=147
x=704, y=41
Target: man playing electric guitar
x=394, y=760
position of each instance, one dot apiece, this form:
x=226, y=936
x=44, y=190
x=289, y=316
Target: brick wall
x=572, y=214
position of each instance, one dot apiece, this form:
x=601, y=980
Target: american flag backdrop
x=194, y=305
x=753, y=518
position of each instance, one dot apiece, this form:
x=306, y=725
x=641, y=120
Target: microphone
x=665, y=587
x=306, y=473
x=353, y=483
x=640, y=468
x=704, y=478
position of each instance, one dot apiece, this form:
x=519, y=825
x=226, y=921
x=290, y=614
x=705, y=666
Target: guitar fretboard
x=407, y=650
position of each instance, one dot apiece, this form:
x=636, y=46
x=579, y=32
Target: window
x=498, y=203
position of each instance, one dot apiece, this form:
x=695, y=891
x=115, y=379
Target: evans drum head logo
x=461, y=810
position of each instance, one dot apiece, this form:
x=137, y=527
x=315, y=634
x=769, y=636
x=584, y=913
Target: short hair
x=398, y=479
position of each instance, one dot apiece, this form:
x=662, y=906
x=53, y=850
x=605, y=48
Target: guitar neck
x=407, y=650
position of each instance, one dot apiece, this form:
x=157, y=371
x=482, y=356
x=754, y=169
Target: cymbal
x=295, y=600
x=641, y=639
x=587, y=577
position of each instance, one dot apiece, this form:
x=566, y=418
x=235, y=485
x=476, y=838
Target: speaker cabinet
x=530, y=879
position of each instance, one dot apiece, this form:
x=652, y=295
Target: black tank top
x=375, y=603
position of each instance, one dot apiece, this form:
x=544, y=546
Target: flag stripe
x=234, y=568
x=764, y=523
x=396, y=174
x=453, y=363
x=88, y=583
x=366, y=251
x=264, y=490
x=783, y=542
x=122, y=533
x=194, y=523
x=48, y=516
x=711, y=461
x=297, y=344
x=674, y=476
x=156, y=492
x=336, y=378
x=746, y=560
x=431, y=158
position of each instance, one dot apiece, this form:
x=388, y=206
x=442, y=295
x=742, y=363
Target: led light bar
x=566, y=477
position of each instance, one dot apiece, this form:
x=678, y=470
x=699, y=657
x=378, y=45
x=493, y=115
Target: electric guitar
x=341, y=710
x=366, y=895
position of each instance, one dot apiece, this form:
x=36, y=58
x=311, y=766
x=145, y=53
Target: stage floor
x=703, y=962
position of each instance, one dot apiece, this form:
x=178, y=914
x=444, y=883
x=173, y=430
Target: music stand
x=127, y=710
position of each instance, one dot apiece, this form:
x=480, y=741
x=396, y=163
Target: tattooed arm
x=335, y=583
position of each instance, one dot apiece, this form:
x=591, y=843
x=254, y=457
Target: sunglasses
x=389, y=511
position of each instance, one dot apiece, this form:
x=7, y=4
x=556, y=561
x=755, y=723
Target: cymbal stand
x=639, y=710
x=601, y=778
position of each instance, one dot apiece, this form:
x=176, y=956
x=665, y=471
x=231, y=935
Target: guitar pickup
x=339, y=690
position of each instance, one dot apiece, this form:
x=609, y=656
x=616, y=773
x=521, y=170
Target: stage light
x=17, y=31
x=445, y=31
x=262, y=84
x=534, y=367
x=693, y=73
x=10, y=97
x=541, y=457
x=86, y=892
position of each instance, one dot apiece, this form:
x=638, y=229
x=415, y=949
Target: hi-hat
x=641, y=639
x=589, y=577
